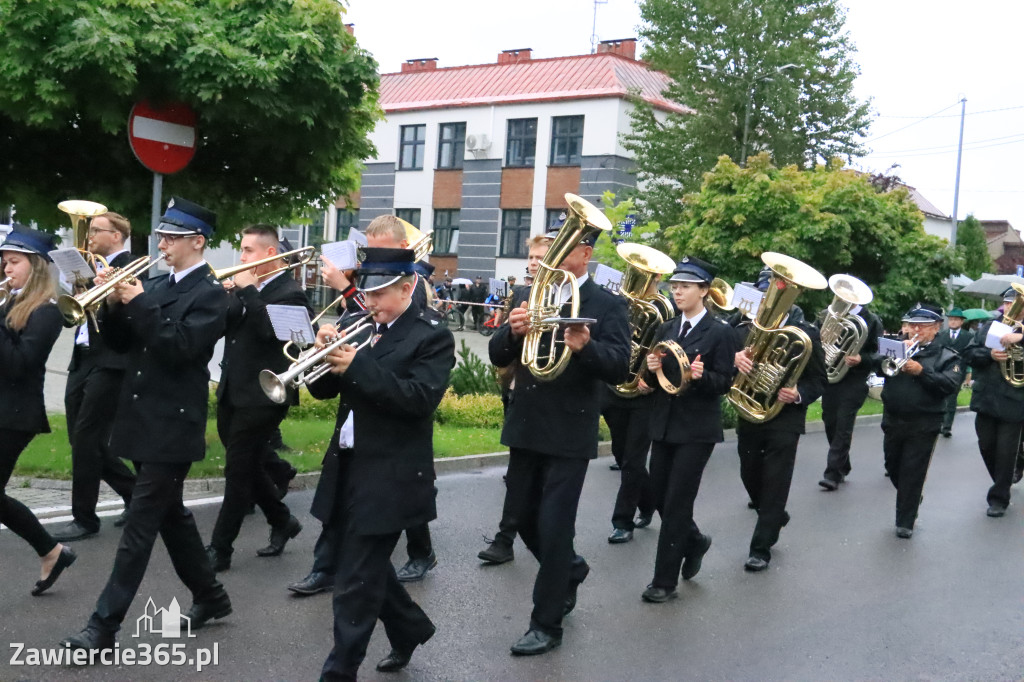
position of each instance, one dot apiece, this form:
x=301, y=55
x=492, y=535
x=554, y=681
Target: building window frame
x=521, y=143
x=409, y=215
x=515, y=230
x=567, y=140
x=412, y=145
x=446, y=232
x=451, y=143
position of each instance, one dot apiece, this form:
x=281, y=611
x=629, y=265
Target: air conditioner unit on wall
x=477, y=142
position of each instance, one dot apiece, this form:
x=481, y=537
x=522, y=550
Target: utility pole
x=959, y=155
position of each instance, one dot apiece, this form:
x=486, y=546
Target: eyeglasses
x=96, y=230
x=172, y=238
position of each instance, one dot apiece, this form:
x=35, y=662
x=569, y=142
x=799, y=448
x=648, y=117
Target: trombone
x=891, y=368
x=312, y=364
x=5, y=291
x=76, y=309
x=308, y=253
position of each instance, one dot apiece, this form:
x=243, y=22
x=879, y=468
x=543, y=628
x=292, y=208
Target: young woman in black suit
x=685, y=427
x=29, y=326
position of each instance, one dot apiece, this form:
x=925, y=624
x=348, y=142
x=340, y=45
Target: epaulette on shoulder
x=431, y=317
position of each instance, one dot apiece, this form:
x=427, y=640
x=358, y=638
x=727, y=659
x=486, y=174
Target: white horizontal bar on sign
x=162, y=131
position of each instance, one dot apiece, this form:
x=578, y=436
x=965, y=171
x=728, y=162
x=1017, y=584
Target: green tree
x=971, y=236
x=285, y=99
x=778, y=74
x=617, y=212
x=831, y=218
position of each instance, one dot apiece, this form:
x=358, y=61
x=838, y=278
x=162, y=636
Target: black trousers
x=631, y=442
x=545, y=494
x=156, y=509
x=998, y=441
x=325, y=551
x=676, y=470
x=767, y=458
x=908, y=443
x=13, y=513
x=839, y=405
x=417, y=541
x=246, y=433
x=365, y=589
x=950, y=413
x=89, y=399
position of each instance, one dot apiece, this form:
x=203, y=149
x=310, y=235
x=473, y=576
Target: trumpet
x=891, y=368
x=76, y=309
x=308, y=254
x=5, y=291
x=312, y=364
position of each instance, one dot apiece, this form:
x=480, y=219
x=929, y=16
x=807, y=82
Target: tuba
x=419, y=242
x=780, y=354
x=1012, y=367
x=842, y=333
x=647, y=311
x=80, y=213
x=541, y=353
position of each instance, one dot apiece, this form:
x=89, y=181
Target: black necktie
x=686, y=328
x=170, y=281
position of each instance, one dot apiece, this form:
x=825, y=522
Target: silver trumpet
x=312, y=364
x=891, y=368
x=5, y=291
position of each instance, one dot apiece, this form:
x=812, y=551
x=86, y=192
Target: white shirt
x=692, y=320
x=566, y=292
x=176, y=276
x=953, y=334
x=82, y=335
x=265, y=282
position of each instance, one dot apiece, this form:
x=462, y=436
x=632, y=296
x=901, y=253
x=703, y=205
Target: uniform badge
x=956, y=368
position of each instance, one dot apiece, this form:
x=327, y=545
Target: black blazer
x=250, y=344
x=695, y=415
x=963, y=339
x=23, y=368
x=941, y=375
x=386, y=483
x=100, y=354
x=991, y=394
x=169, y=334
x=561, y=417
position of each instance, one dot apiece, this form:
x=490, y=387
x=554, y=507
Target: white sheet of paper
x=72, y=265
x=607, y=277
x=747, y=299
x=996, y=331
x=498, y=287
x=291, y=323
x=891, y=348
x=341, y=254
x=358, y=237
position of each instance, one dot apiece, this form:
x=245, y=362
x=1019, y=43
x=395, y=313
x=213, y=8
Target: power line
x=969, y=113
x=949, y=146
x=953, y=150
x=923, y=118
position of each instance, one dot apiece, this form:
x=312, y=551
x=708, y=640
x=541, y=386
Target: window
x=412, y=142
x=409, y=215
x=446, y=231
x=346, y=221
x=451, y=147
x=566, y=140
x=521, y=145
x=515, y=230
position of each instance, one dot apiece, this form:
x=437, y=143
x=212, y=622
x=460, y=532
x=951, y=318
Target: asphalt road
x=843, y=599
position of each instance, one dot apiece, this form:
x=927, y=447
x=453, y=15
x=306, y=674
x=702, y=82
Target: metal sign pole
x=157, y=211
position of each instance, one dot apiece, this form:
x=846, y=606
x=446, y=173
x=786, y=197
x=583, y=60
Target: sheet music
x=498, y=287
x=358, y=237
x=607, y=277
x=747, y=299
x=72, y=265
x=892, y=348
x=291, y=323
x=343, y=255
x=996, y=331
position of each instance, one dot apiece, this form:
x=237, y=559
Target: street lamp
x=757, y=78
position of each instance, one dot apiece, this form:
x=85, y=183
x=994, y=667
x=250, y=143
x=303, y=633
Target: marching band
x=660, y=369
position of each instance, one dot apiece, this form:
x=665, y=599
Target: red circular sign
x=163, y=138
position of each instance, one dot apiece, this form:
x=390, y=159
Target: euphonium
x=419, y=242
x=81, y=212
x=1012, y=367
x=779, y=354
x=76, y=309
x=647, y=309
x=541, y=353
x=843, y=333
x=720, y=295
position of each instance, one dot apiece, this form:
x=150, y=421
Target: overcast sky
x=917, y=58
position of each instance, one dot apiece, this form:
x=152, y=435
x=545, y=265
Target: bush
x=308, y=407
x=472, y=376
x=729, y=415
x=482, y=410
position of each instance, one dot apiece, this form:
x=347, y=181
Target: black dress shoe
x=643, y=520
x=829, y=484
x=619, y=536
x=694, y=558
x=904, y=532
x=313, y=583
x=66, y=557
x=658, y=595
x=89, y=639
x=280, y=536
x=755, y=564
x=1018, y=474
x=946, y=433
x=570, y=598
x=416, y=569
x=497, y=553
x=72, y=530
x=614, y=467
x=393, y=662
x=219, y=561
x=996, y=510
x=122, y=518
x=751, y=505
x=202, y=612
x=535, y=642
